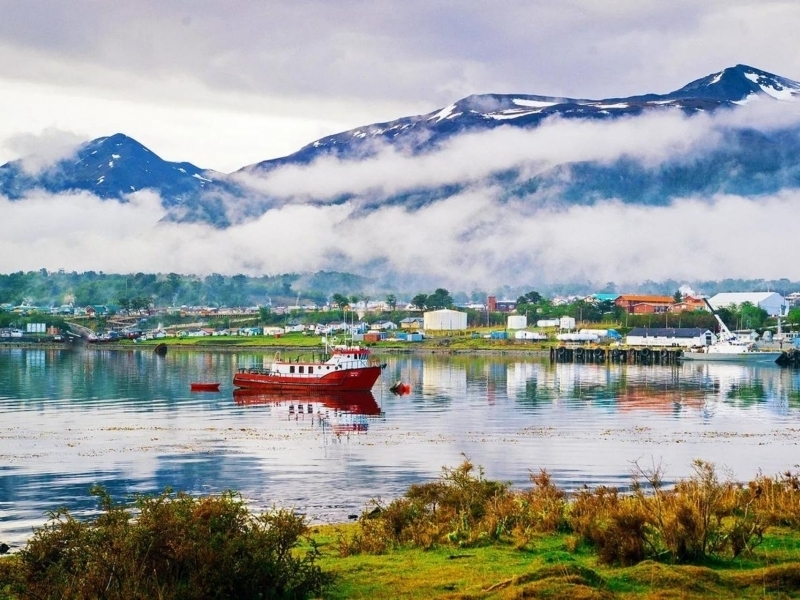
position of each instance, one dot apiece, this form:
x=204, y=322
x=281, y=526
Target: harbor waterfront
x=128, y=420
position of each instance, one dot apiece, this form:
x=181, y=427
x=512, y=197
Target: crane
x=726, y=334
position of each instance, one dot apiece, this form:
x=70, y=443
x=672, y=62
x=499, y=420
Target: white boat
x=731, y=348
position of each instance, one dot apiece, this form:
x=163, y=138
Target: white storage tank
x=547, y=322
x=577, y=337
x=517, y=322
x=529, y=335
x=445, y=320
x=566, y=323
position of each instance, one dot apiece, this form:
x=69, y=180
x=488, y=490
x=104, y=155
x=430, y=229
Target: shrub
x=615, y=525
x=452, y=510
x=524, y=514
x=777, y=500
x=699, y=517
x=175, y=547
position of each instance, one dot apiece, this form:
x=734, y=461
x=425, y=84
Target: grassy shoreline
x=438, y=345
x=462, y=537
x=553, y=566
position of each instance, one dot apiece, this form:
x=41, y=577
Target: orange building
x=636, y=304
x=688, y=304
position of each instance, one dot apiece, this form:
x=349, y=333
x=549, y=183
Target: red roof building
x=652, y=304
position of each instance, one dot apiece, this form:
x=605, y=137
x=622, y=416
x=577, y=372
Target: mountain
x=747, y=161
x=726, y=89
x=113, y=167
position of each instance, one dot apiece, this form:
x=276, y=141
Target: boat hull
x=349, y=380
x=742, y=357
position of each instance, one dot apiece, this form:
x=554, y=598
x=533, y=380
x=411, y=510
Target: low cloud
x=467, y=241
x=40, y=151
x=650, y=139
x=475, y=238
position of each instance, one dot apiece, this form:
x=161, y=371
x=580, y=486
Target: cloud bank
x=464, y=242
x=476, y=237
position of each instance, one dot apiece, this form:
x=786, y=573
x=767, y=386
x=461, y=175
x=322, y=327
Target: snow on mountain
x=726, y=89
x=112, y=168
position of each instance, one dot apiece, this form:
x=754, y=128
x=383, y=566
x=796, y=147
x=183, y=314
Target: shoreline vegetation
x=440, y=344
x=293, y=342
x=460, y=536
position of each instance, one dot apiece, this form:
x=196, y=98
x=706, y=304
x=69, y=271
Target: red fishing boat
x=347, y=369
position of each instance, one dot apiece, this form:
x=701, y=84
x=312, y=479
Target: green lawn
x=298, y=340
x=555, y=566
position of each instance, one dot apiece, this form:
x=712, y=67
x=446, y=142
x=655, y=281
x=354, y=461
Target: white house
x=195, y=333
x=686, y=337
x=383, y=326
x=772, y=302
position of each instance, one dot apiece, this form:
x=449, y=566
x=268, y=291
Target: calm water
x=128, y=421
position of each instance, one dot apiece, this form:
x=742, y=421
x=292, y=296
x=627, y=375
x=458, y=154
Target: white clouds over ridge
x=465, y=241
x=475, y=238
x=650, y=139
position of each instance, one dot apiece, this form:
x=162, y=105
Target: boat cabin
x=342, y=358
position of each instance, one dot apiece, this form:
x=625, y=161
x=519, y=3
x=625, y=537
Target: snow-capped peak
x=777, y=87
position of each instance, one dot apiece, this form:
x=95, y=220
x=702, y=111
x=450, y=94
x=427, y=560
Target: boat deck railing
x=254, y=370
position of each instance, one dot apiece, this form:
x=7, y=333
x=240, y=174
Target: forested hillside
x=43, y=288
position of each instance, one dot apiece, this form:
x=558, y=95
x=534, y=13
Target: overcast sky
x=224, y=84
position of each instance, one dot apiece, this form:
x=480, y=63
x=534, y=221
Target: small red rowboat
x=204, y=386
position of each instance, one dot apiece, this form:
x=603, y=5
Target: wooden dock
x=622, y=355
x=639, y=356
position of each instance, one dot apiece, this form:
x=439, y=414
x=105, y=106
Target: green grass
x=289, y=340
x=297, y=340
x=554, y=566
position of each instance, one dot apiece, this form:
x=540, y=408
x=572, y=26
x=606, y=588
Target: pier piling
x=626, y=355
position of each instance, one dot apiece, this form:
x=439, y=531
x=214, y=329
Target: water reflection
x=129, y=421
x=362, y=403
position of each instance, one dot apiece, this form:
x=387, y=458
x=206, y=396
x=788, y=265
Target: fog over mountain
x=699, y=184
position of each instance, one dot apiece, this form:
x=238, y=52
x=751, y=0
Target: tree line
x=136, y=291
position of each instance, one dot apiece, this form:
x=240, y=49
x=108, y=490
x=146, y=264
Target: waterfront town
x=644, y=319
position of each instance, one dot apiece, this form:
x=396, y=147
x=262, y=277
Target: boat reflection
x=357, y=403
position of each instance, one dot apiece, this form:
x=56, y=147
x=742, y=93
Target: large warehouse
x=772, y=302
x=670, y=336
x=445, y=320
